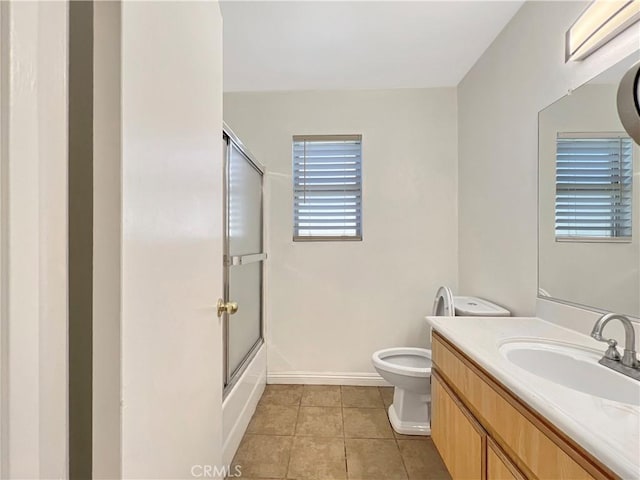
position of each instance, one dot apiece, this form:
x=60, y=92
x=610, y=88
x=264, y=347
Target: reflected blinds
x=327, y=187
x=594, y=183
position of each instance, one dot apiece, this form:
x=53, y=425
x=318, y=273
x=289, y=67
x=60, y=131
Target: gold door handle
x=228, y=307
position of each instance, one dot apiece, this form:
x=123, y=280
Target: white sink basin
x=572, y=367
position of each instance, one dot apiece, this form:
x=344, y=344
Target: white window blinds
x=594, y=183
x=327, y=187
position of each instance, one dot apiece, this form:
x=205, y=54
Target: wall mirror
x=589, y=200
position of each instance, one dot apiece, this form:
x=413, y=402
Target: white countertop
x=607, y=429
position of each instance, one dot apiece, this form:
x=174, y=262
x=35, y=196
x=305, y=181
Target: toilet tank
x=478, y=307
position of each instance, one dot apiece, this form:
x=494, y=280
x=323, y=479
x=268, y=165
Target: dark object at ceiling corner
x=629, y=102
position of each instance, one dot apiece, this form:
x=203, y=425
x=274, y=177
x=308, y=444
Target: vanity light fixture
x=602, y=21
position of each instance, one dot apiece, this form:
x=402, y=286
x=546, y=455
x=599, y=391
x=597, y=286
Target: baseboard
x=364, y=379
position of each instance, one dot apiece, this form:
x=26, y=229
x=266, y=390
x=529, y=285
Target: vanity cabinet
x=483, y=431
x=499, y=466
x=454, y=431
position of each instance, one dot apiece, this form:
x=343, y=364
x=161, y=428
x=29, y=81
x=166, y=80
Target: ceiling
x=324, y=45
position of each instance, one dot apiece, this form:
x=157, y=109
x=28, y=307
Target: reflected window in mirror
x=594, y=187
x=589, y=199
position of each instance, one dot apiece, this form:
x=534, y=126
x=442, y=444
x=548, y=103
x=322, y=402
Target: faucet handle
x=612, y=352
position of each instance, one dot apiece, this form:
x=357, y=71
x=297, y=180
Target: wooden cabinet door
x=458, y=437
x=499, y=466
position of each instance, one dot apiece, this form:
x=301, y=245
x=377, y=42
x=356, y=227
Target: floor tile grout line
x=344, y=437
x=293, y=438
x=395, y=438
x=404, y=465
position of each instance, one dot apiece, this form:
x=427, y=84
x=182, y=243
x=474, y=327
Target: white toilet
x=409, y=369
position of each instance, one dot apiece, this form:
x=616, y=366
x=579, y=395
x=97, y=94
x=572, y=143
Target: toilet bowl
x=409, y=371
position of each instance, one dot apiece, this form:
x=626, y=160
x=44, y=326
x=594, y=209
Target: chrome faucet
x=627, y=364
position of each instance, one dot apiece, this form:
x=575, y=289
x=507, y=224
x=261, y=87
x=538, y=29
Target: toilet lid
x=443, y=305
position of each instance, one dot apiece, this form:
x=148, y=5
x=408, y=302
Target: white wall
x=4, y=411
x=171, y=237
x=330, y=305
x=498, y=103
x=34, y=56
x=605, y=275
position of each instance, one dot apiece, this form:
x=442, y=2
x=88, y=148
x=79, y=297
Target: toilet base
x=409, y=428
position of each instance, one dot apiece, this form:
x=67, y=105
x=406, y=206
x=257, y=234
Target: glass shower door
x=244, y=258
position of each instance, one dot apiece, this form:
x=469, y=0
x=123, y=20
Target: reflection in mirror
x=589, y=200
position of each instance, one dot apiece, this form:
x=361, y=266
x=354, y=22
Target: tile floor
x=315, y=432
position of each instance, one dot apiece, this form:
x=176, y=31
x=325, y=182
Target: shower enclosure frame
x=230, y=378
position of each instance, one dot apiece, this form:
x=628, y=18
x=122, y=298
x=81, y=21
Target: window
x=327, y=187
x=594, y=178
